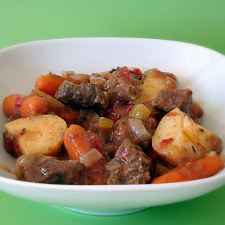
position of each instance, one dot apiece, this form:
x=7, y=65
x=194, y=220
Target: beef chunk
x=83, y=95
x=151, y=124
x=110, y=149
x=91, y=122
x=123, y=131
x=46, y=169
x=129, y=166
x=120, y=88
x=133, y=129
x=169, y=99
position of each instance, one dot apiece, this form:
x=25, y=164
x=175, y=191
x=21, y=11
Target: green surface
x=199, y=22
x=205, y=210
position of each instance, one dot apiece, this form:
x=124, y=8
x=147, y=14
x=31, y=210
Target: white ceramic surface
x=197, y=68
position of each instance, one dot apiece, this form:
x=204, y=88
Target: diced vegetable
x=136, y=72
x=179, y=140
x=135, y=80
x=198, y=169
x=76, y=142
x=139, y=130
x=105, y=123
x=212, y=153
x=106, y=74
x=91, y=121
x=118, y=111
x=94, y=141
x=135, y=76
x=140, y=111
x=79, y=78
x=33, y=105
x=49, y=83
x=55, y=105
x=36, y=134
x=76, y=78
x=154, y=82
x=91, y=157
x=201, y=136
x=98, y=80
x=66, y=74
x=10, y=105
x=124, y=72
x=16, y=106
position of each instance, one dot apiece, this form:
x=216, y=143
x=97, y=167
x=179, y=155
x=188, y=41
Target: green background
x=194, y=21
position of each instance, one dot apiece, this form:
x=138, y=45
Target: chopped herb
x=113, y=70
x=193, y=148
x=23, y=131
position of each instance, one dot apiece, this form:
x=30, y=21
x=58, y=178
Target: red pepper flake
x=124, y=72
x=137, y=72
x=165, y=142
x=171, y=114
x=116, y=113
x=129, y=107
x=18, y=102
x=113, y=116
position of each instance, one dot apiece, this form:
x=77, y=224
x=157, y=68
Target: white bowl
x=197, y=68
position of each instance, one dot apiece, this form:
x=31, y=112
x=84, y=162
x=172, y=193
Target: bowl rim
x=117, y=188
x=29, y=43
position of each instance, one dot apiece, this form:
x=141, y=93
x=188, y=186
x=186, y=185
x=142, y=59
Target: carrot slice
x=75, y=141
x=49, y=83
x=10, y=105
x=202, y=168
x=16, y=106
x=33, y=105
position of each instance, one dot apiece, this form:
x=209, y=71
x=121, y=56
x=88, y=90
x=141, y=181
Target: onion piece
x=114, y=164
x=91, y=121
x=68, y=73
x=91, y=157
x=98, y=80
x=76, y=78
x=140, y=131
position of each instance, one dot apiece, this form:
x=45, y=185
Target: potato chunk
x=179, y=140
x=154, y=82
x=201, y=136
x=37, y=134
